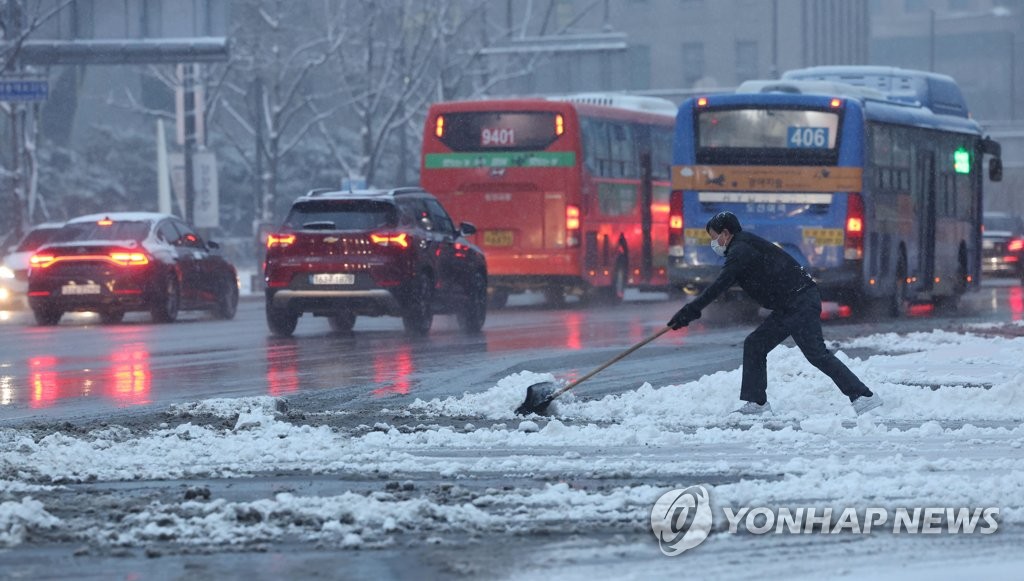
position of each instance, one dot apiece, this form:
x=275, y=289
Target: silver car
x=14, y=269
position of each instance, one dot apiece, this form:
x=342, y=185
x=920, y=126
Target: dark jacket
x=763, y=270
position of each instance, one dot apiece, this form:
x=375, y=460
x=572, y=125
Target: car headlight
x=6, y=272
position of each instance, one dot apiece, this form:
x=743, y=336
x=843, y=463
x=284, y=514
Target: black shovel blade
x=538, y=398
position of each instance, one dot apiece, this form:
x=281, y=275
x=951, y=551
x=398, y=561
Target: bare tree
x=272, y=96
x=19, y=20
x=400, y=56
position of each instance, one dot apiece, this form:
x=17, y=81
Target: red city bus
x=569, y=195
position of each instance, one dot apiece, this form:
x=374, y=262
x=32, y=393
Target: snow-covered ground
x=443, y=471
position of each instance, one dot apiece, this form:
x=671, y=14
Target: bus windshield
x=498, y=130
x=767, y=128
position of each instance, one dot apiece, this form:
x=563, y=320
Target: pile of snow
x=948, y=435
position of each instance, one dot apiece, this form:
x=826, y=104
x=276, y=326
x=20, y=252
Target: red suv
x=341, y=254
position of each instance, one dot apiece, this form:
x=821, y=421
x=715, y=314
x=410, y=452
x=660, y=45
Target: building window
x=693, y=63
x=746, y=60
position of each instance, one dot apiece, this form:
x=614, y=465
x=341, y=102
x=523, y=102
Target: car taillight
x=572, y=226
x=280, y=240
x=129, y=258
x=1015, y=245
x=675, y=223
x=400, y=239
x=120, y=258
x=854, y=246
x=42, y=260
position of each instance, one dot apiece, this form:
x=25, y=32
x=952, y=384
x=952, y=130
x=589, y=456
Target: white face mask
x=716, y=247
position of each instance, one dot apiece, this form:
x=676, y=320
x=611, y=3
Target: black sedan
x=130, y=261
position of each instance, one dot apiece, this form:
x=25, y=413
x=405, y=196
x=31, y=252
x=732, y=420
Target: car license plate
x=80, y=289
x=334, y=278
x=498, y=238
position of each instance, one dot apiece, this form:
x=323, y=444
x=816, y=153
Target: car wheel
x=47, y=316
x=227, y=300
x=111, y=317
x=168, y=300
x=472, y=316
x=281, y=322
x=418, y=311
x=342, y=322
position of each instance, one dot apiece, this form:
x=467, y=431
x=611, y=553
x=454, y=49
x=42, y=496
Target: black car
x=129, y=261
x=343, y=254
x=1002, y=245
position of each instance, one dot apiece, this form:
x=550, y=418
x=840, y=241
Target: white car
x=14, y=270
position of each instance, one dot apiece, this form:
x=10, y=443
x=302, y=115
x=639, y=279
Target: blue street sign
x=24, y=89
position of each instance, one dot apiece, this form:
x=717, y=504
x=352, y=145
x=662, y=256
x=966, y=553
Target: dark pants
x=801, y=319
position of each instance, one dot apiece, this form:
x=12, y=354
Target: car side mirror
x=467, y=229
x=995, y=169
x=212, y=245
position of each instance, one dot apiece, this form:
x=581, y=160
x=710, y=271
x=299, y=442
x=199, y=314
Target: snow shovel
x=540, y=395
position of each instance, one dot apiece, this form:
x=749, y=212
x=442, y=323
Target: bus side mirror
x=995, y=169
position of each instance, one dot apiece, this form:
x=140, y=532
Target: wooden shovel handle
x=608, y=363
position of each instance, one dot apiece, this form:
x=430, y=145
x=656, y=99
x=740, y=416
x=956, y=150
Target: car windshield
x=85, y=231
x=341, y=215
x=1002, y=223
x=35, y=239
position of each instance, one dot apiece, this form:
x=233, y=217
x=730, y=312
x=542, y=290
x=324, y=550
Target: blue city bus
x=869, y=176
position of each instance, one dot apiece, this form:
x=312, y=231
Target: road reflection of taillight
x=43, y=380
x=282, y=370
x=393, y=370
x=1016, y=301
x=131, y=377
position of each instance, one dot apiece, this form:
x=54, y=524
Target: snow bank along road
x=461, y=487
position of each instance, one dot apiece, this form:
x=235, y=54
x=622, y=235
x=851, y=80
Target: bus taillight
x=675, y=223
x=439, y=126
x=572, y=226
x=854, y=246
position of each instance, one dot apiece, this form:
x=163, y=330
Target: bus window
x=598, y=151
x=623, y=151
x=661, y=153
x=616, y=199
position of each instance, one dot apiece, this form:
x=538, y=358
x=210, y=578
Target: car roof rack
x=408, y=190
x=319, y=191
